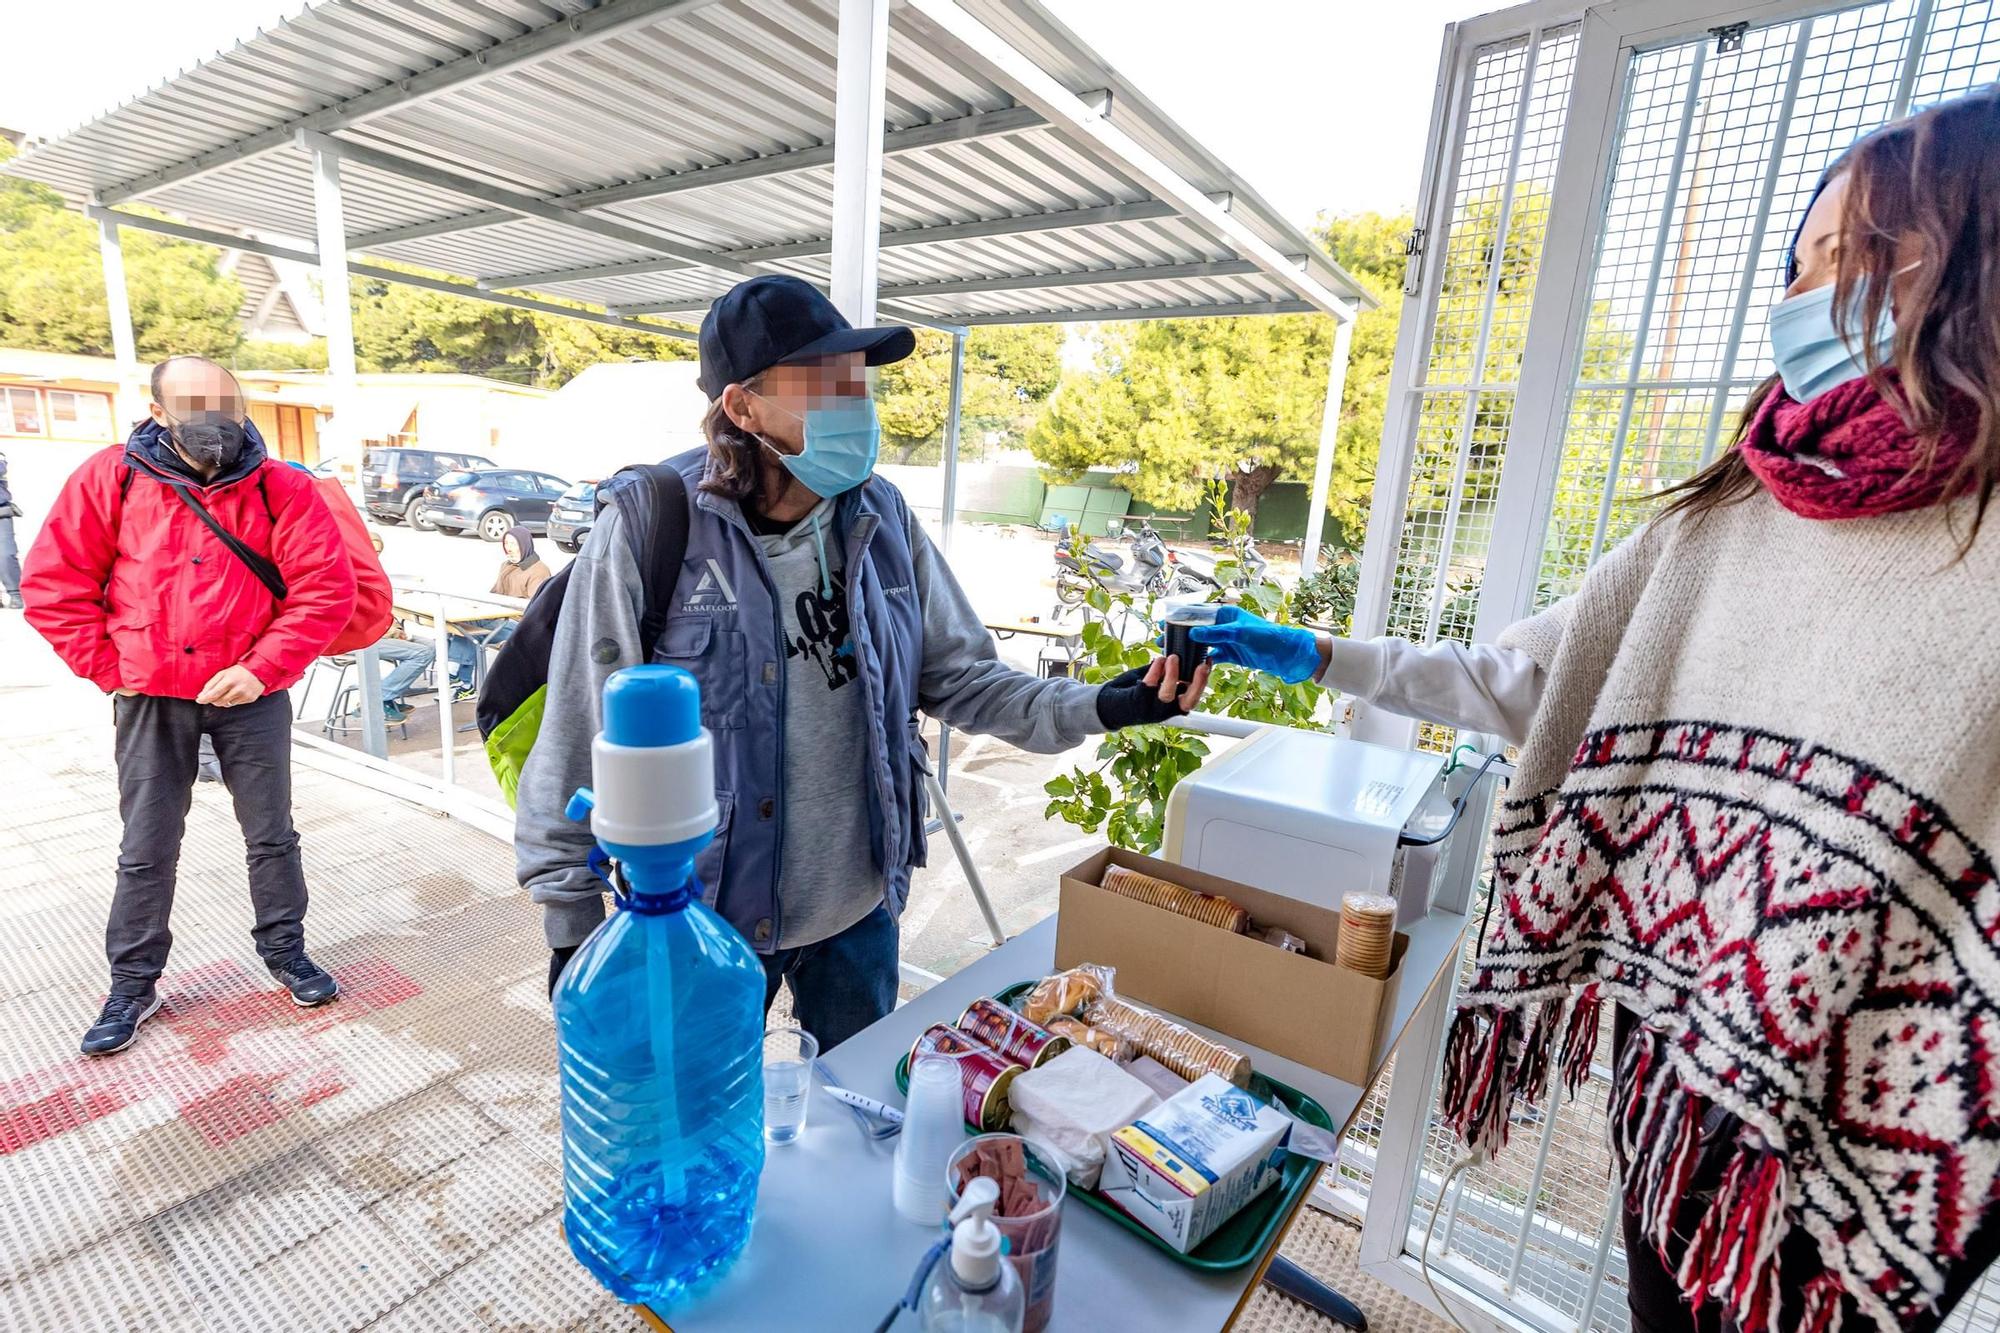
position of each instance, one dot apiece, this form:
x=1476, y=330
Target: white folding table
x=829, y=1252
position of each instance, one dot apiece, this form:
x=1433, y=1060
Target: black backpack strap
x=266, y=572
x=658, y=528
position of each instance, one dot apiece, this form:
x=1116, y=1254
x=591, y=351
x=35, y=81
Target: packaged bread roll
x=1102, y=1040
x=1065, y=993
x=1205, y=908
x=1186, y=1052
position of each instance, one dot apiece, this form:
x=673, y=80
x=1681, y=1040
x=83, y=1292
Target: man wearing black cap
x=819, y=620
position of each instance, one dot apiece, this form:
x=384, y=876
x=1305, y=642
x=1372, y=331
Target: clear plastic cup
x=933, y=1125
x=1031, y=1240
x=789, y=1053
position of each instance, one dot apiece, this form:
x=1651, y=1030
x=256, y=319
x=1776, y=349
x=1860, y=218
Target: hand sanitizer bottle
x=974, y=1290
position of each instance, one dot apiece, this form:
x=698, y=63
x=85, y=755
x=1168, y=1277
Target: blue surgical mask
x=842, y=443
x=1809, y=351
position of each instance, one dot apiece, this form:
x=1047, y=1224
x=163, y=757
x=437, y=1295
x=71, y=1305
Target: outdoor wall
x=1008, y=493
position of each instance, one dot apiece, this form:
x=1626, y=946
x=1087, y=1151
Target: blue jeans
x=464, y=649
x=840, y=985
x=412, y=659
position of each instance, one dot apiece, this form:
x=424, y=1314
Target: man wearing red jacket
x=142, y=598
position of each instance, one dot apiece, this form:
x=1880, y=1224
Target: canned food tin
x=984, y=1076
x=994, y=1024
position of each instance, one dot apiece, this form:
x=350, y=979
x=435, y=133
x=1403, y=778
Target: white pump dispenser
x=977, y=1291
x=975, y=1241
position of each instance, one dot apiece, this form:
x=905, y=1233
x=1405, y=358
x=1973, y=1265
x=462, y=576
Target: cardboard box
x=1192, y=1163
x=1303, y=1008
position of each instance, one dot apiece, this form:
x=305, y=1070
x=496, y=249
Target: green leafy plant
x=1325, y=597
x=1124, y=794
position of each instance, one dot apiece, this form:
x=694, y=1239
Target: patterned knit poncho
x=1759, y=807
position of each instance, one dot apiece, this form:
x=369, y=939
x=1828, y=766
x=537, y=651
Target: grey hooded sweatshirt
x=767, y=604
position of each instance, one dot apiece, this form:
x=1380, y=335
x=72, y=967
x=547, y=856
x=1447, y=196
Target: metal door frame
x=1610, y=35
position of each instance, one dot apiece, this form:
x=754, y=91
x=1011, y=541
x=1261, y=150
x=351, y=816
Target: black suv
x=393, y=481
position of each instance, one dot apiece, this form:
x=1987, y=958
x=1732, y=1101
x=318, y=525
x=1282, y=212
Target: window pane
x=93, y=417
x=25, y=411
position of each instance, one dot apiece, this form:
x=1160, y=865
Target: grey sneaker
x=117, y=1024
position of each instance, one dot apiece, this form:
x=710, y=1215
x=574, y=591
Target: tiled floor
x=388, y=1162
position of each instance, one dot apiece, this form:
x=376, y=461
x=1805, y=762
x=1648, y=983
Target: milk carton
x=1190, y=1165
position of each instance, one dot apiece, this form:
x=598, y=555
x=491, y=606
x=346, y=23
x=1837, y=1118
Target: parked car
x=569, y=521
x=393, y=480
x=491, y=501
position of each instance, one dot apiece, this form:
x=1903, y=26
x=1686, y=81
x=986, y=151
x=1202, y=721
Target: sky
x=1320, y=104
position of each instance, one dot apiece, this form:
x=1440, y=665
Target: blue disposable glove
x=1243, y=638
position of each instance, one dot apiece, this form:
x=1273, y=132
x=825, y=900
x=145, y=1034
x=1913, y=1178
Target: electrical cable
x=1424, y=1257
x=1457, y=807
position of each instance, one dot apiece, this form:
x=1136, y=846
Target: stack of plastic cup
x=933, y=1127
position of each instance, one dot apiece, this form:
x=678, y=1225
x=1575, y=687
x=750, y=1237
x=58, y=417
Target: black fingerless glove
x=1126, y=701
x=558, y=960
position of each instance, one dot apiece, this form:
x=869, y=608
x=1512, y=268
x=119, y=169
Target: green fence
x=991, y=493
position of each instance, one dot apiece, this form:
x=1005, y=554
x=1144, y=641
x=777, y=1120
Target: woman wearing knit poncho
x=1758, y=799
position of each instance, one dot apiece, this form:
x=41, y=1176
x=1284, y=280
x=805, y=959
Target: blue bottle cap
x=650, y=706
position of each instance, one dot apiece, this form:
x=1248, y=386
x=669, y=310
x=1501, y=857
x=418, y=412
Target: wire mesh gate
x=1607, y=202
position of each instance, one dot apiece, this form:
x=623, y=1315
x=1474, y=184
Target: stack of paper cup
x=933, y=1127
x=1367, y=930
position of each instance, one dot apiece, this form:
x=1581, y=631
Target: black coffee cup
x=1179, y=643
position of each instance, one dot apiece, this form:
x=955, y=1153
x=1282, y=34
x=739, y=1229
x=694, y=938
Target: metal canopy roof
x=644, y=155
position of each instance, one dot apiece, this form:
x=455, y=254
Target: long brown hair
x=1932, y=180
x=734, y=470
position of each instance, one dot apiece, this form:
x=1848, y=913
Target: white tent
x=611, y=415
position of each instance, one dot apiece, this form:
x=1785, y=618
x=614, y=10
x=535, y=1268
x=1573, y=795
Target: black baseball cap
x=777, y=320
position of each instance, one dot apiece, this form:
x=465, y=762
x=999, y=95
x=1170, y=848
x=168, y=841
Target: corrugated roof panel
x=525, y=241
x=702, y=85
x=695, y=287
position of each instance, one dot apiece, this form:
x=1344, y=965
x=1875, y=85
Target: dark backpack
x=653, y=499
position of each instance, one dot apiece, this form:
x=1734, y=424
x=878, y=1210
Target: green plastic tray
x=1245, y=1237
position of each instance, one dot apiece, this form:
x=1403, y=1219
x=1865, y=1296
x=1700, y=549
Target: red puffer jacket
x=133, y=591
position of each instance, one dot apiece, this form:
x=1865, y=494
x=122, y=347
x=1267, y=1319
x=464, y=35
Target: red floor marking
x=223, y=1087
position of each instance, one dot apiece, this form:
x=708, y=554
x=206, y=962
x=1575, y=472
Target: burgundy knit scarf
x=1848, y=453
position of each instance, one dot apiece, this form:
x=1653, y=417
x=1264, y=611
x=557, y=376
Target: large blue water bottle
x=659, y=1018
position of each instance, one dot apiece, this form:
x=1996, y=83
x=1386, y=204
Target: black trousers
x=158, y=740
x=1655, y=1298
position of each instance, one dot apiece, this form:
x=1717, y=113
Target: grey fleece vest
x=725, y=628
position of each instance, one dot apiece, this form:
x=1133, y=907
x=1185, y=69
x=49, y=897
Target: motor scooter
x=1200, y=566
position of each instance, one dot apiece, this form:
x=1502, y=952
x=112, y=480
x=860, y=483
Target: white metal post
x=330, y=223
x=1329, y=436
x=368, y=703
x=1422, y=281
x=1483, y=341
x=1780, y=135
x=1420, y=286
x=1613, y=1218
x=1556, y=326
x=948, y=516
x=863, y=53
x=441, y=672
x=118, y=305
x=1669, y=208
x=1906, y=81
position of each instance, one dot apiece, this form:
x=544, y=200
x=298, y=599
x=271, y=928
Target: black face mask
x=210, y=439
